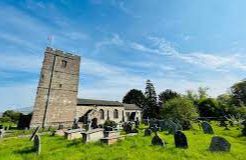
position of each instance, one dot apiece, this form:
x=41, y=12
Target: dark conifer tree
x=151, y=108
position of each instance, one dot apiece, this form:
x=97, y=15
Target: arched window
x=101, y=114
x=116, y=113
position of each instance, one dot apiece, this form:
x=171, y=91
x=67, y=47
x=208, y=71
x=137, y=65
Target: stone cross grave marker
x=180, y=140
x=219, y=144
x=207, y=128
x=34, y=133
x=157, y=141
x=37, y=144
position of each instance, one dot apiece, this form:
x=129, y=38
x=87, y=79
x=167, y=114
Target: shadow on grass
x=75, y=143
x=26, y=150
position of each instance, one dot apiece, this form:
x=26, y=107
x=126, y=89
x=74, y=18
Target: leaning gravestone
x=147, y=132
x=180, y=140
x=207, y=128
x=34, y=133
x=219, y=144
x=37, y=144
x=157, y=141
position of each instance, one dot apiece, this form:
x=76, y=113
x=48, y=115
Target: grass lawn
x=135, y=148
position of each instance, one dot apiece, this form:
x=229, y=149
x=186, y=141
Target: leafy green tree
x=5, y=120
x=151, y=108
x=134, y=96
x=202, y=92
x=13, y=115
x=225, y=103
x=167, y=95
x=180, y=108
x=209, y=108
x=238, y=91
x=191, y=95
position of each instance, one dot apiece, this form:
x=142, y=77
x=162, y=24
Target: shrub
x=180, y=108
x=110, y=123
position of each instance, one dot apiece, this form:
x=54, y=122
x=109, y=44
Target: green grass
x=135, y=148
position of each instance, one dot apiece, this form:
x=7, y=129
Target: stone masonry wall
x=56, y=98
x=81, y=110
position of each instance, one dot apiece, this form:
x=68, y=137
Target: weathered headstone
x=137, y=123
x=219, y=144
x=147, y=132
x=130, y=128
x=180, y=140
x=1, y=133
x=157, y=141
x=207, y=128
x=34, y=133
x=37, y=144
x=108, y=128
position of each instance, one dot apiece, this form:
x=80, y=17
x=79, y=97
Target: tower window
x=64, y=64
x=60, y=85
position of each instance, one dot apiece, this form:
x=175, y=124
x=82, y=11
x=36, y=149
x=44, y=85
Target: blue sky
x=179, y=45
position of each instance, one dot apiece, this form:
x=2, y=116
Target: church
x=56, y=100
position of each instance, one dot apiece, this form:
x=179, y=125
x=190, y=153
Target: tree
x=180, y=108
x=151, y=108
x=134, y=96
x=167, y=95
x=13, y=115
x=191, y=95
x=239, y=93
x=209, y=108
x=225, y=103
x=202, y=92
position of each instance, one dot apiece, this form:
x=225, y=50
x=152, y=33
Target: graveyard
x=132, y=147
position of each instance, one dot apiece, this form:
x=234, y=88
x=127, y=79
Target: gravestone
x=137, y=123
x=244, y=128
x=130, y=128
x=219, y=144
x=75, y=124
x=157, y=141
x=207, y=128
x=37, y=144
x=34, y=133
x=108, y=128
x=180, y=140
x=1, y=133
x=147, y=132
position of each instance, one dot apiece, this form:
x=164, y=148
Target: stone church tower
x=56, y=98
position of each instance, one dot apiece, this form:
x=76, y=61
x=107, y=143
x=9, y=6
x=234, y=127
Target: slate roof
x=131, y=107
x=88, y=102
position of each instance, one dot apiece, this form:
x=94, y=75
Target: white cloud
x=113, y=40
x=206, y=60
x=29, y=63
